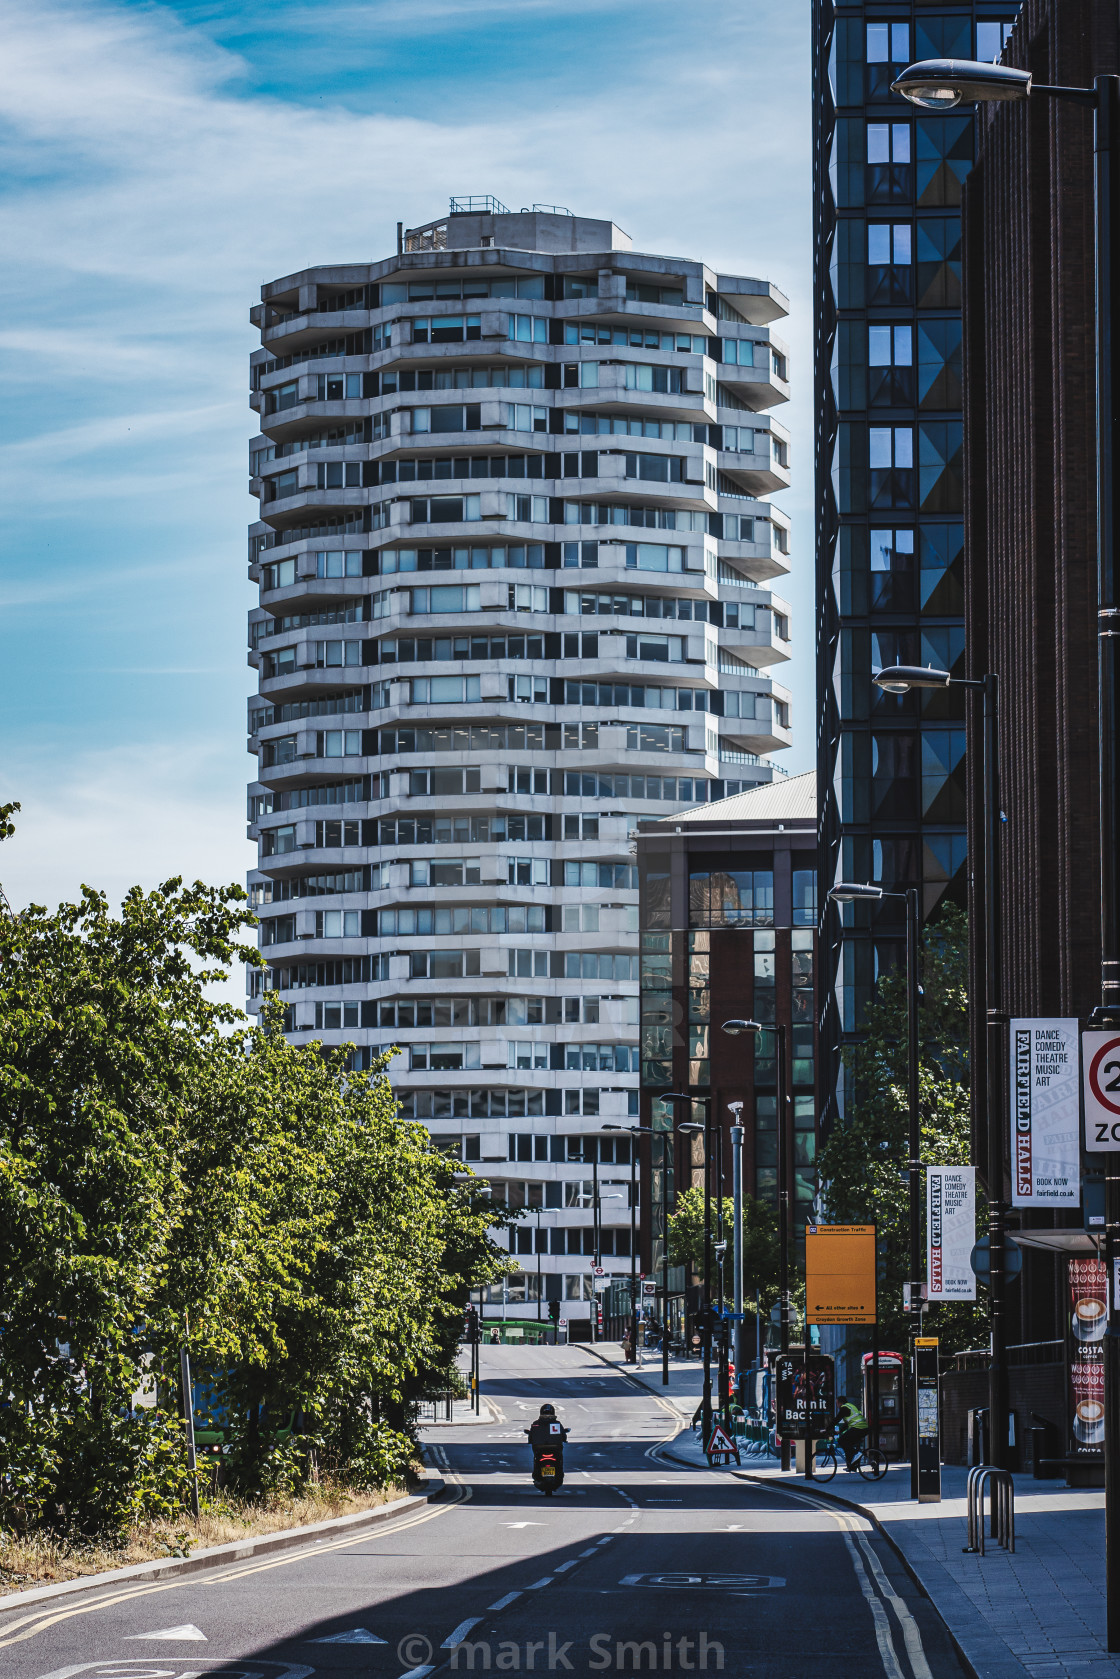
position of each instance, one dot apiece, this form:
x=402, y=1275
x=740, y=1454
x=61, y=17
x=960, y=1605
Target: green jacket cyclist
x=852, y=1429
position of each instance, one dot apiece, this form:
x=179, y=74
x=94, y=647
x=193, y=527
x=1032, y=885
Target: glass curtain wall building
x=889, y=474
x=514, y=556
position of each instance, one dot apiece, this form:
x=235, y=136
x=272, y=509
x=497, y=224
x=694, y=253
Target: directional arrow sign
x=187, y=1634
x=356, y=1635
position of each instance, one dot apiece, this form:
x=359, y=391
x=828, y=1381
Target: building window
x=891, y=464
x=890, y=172
x=890, y=363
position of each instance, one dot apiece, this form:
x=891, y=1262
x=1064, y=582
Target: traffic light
x=554, y=1311
x=470, y=1326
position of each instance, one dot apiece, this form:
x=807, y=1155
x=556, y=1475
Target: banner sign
x=840, y=1273
x=1100, y=1055
x=1088, y=1320
x=1045, y=1114
x=950, y=1232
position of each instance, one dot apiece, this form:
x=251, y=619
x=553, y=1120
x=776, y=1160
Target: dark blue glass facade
x=888, y=183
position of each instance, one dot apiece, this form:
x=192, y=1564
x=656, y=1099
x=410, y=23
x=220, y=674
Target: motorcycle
x=548, y=1471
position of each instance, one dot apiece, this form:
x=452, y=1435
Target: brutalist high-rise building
x=514, y=558
x=887, y=190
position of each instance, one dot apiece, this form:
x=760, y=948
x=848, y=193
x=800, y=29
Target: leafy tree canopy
x=168, y=1172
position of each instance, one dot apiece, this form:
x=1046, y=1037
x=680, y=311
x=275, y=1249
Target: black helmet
x=548, y=1410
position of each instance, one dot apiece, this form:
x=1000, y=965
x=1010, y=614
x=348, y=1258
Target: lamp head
x=851, y=892
x=938, y=84
x=738, y=1028
x=899, y=679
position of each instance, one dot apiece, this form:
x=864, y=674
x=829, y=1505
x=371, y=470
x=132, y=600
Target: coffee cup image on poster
x=1045, y=1086
x=1088, y=1318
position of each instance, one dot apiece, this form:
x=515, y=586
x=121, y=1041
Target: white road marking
x=418, y=1673
x=186, y=1634
x=589, y=1553
x=503, y=1602
x=356, y=1635
x=563, y=1567
x=522, y=1524
x=537, y=1584
x=460, y=1633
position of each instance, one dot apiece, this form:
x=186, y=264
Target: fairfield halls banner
x=950, y=1232
x=1045, y=1114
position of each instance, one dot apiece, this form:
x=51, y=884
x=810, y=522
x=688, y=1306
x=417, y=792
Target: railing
x=487, y=205
x=1036, y=1352
x=1002, y=1495
x=438, y=1407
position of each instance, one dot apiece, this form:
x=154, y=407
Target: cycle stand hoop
x=1001, y=1492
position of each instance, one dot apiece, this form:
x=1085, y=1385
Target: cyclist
x=852, y=1429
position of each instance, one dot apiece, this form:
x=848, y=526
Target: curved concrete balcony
x=311, y=772
x=759, y=387
x=758, y=473
x=287, y=336
x=758, y=561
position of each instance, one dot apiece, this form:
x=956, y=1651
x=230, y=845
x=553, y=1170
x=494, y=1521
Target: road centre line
x=460, y=1632
x=503, y=1602
x=537, y=1584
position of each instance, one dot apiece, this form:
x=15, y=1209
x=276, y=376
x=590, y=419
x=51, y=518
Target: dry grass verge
x=42, y=1560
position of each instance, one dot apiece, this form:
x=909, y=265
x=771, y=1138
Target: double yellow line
x=39, y=1620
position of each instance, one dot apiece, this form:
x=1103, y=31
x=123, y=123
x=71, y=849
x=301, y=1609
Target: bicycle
x=868, y=1461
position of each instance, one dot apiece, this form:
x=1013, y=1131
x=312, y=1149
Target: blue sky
x=159, y=163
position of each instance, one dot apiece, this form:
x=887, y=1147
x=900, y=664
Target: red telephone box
x=891, y=1418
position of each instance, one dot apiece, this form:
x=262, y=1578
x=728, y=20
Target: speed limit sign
x=1100, y=1059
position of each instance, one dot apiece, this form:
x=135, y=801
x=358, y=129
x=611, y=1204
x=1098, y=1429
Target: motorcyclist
x=547, y=1433
x=852, y=1425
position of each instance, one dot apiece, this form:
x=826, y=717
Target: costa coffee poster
x=1088, y=1317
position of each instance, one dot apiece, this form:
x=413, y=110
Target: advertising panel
x=840, y=1273
x=1045, y=1114
x=950, y=1232
x=1088, y=1319
x=803, y=1404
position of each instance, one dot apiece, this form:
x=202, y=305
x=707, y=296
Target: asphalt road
x=636, y=1565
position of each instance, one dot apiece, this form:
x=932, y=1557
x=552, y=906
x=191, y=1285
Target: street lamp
x=633, y=1238
x=852, y=892
x=664, y=1138
x=900, y=679
x=736, y=1111
x=737, y=1029
x=706, y=1128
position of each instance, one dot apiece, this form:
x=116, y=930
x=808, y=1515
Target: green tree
x=862, y=1163
x=760, y=1246
x=166, y=1170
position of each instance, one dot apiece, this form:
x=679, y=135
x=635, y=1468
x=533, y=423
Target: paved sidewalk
x=1037, y=1613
